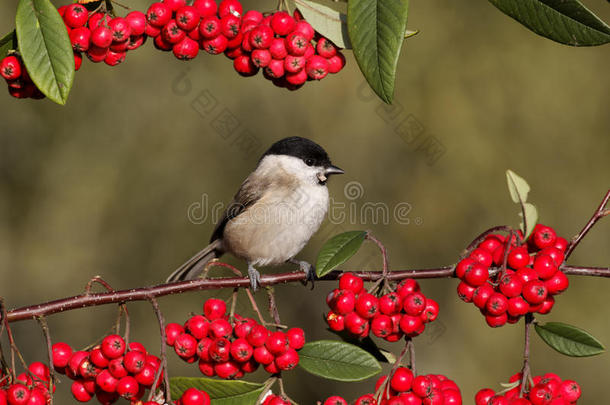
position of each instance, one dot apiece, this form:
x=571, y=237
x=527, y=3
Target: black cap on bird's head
x=310, y=152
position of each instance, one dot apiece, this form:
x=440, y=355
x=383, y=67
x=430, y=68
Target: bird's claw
x=308, y=269
x=255, y=277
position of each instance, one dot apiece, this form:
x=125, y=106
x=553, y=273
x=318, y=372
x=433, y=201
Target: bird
x=275, y=212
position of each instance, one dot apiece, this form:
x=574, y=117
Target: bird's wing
x=250, y=192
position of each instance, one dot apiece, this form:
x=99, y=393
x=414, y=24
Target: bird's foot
x=309, y=270
x=255, y=277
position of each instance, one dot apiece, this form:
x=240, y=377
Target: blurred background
x=122, y=182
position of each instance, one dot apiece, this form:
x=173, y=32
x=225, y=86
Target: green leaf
x=566, y=21
x=377, y=30
x=519, y=189
x=337, y=250
x=531, y=219
x=328, y=22
x=45, y=48
x=8, y=43
x=367, y=344
x=569, y=340
x=338, y=361
x=221, y=392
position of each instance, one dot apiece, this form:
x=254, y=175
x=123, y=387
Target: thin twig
x=599, y=213
x=275, y=314
x=525, y=371
x=47, y=335
x=383, y=392
x=163, y=366
x=412, y=356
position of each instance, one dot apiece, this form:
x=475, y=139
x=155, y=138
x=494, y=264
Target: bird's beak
x=333, y=170
x=323, y=176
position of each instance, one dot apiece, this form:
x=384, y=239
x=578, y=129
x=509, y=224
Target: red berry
x=543, y=236
x=261, y=37
x=172, y=33
x=263, y=355
x=296, y=338
x=101, y=37
x=282, y=23
x=75, y=15
x=463, y=267
x=546, y=305
x=414, y=303
x=229, y=26
x=497, y=304
x=355, y=324
x=79, y=392
x=496, y=321
x=336, y=63
x=430, y=311
x=193, y=396
x=220, y=350
x=241, y=350
x=258, y=336
x=206, y=8
x=482, y=256
x=476, y=275
x=295, y=78
x=545, y=266
x=253, y=15
x=187, y=17
x=534, y=291
x=162, y=44
x=335, y=322
x=367, y=399
x=261, y=57
x=277, y=343
x=540, y=395
x=296, y=44
x=185, y=346
x=316, y=67
x=483, y=396
x=381, y=325
x=305, y=29
x=106, y=381
x=347, y=281
x=97, y=357
x=210, y=28
x=80, y=38
x=121, y=30
x=158, y=14
x=76, y=359
x=227, y=7
x=152, y=31
x=172, y=330
x=481, y=295
x=558, y=283
x=570, y=390
x=518, y=257
x=127, y=387
x=556, y=254
x=113, y=346
x=197, y=326
x=510, y=285
x=561, y=244
x=343, y=302
x=402, y=379
x=389, y=304
x=294, y=64
x=411, y=325
x=146, y=376
x=137, y=22
x=526, y=274
x=288, y=360
x=227, y=370
x=61, y=354
x=335, y=400
x=216, y=45
x=367, y=305
x=134, y=361
x=114, y=58
x=220, y=328
x=98, y=19
x=422, y=386
x=517, y=306
x=465, y=291
x=186, y=49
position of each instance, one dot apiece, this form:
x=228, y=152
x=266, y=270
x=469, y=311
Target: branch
x=526, y=371
x=597, y=215
x=161, y=290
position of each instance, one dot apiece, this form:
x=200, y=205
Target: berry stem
x=482, y=236
x=411, y=346
x=163, y=368
x=161, y=290
x=122, y=306
x=275, y=314
x=597, y=215
x=384, y=254
x=384, y=388
x=47, y=335
x=526, y=372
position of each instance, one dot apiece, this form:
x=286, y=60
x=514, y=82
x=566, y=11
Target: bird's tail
x=195, y=265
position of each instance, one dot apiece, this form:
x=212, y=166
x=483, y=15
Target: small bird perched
x=277, y=209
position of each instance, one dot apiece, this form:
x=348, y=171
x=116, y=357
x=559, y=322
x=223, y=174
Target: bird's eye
x=309, y=162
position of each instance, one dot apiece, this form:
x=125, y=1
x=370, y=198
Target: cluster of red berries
x=29, y=388
x=19, y=83
x=280, y=44
x=548, y=389
x=406, y=389
x=528, y=283
x=229, y=351
x=100, y=37
x=107, y=371
x=391, y=316
x=192, y=396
